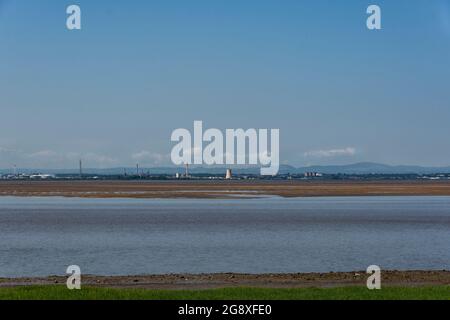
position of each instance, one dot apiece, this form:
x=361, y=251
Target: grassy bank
x=346, y=293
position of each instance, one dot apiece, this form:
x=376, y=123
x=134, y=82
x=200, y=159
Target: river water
x=42, y=236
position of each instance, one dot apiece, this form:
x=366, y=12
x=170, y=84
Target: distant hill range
x=373, y=168
x=356, y=168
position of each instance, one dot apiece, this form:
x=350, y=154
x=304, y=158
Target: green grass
x=344, y=293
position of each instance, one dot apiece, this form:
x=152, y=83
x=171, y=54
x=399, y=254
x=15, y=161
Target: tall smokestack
x=81, y=169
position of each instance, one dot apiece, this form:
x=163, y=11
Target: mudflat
x=225, y=280
x=221, y=189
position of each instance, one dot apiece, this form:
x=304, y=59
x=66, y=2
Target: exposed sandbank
x=221, y=189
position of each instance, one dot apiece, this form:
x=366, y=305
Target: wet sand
x=221, y=189
x=222, y=280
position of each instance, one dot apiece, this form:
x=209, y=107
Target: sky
x=113, y=92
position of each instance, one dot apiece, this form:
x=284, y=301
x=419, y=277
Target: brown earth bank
x=221, y=189
x=222, y=280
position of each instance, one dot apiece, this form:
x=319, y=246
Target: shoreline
x=413, y=278
x=220, y=190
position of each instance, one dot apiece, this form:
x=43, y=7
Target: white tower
x=229, y=175
x=187, y=170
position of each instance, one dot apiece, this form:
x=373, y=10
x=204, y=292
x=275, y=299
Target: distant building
x=42, y=176
x=312, y=174
x=186, y=174
x=229, y=175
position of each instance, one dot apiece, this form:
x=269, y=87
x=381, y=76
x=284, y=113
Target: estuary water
x=42, y=236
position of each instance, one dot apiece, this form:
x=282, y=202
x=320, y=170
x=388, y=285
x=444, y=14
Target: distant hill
x=374, y=168
x=356, y=168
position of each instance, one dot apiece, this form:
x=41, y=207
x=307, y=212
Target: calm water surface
x=42, y=236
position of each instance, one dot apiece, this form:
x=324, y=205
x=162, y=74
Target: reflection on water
x=42, y=236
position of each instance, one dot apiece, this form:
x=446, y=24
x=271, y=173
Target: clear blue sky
x=113, y=92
